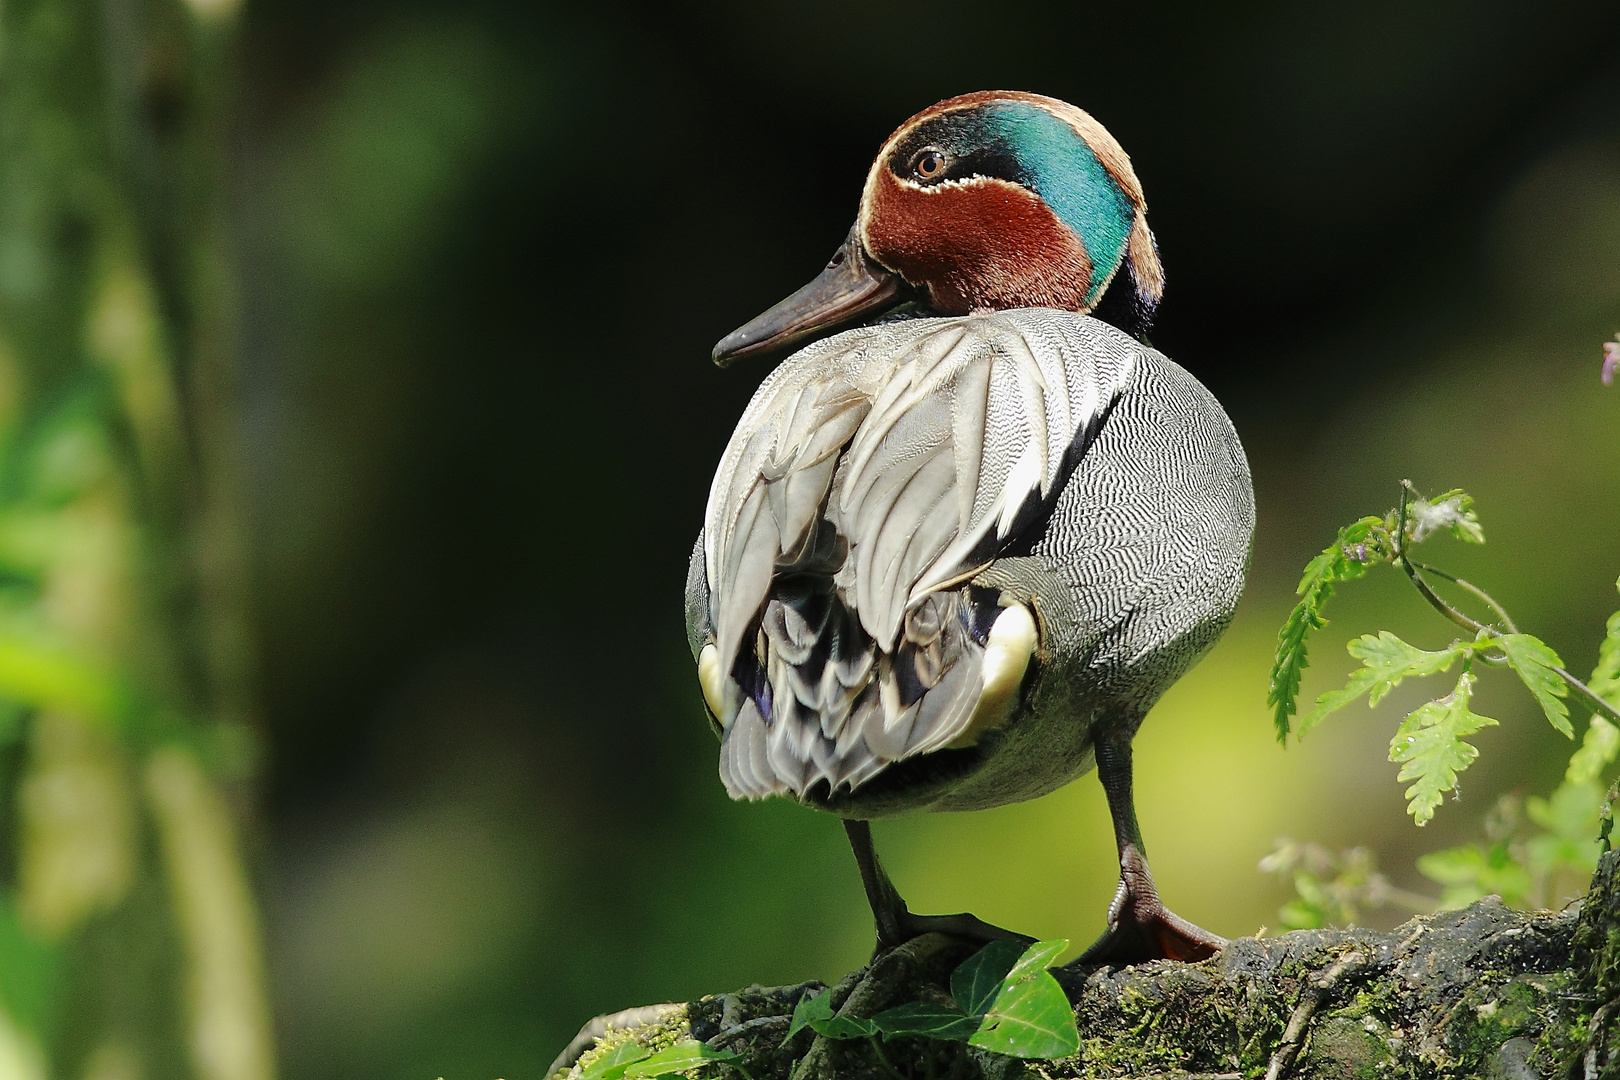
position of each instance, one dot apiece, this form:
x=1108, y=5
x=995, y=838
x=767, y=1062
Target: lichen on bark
x=1484, y=992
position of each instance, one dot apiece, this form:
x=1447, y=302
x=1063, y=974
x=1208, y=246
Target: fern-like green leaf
x=1345, y=560
x=1430, y=750
x=1598, y=749
x=1451, y=511
x=1535, y=660
x=1386, y=660
x=1473, y=871
x=1605, y=680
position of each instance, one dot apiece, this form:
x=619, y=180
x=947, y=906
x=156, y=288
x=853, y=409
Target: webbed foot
x=907, y=927
x=1141, y=928
x=896, y=925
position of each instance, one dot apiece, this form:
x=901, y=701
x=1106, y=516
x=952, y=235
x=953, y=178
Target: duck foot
x=908, y=927
x=896, y=925
x=1141, y=928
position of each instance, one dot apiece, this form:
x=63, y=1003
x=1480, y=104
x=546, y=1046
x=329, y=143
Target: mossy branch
x=1483, y=992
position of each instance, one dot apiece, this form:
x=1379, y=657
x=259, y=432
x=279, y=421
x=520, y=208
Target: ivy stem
x=1439, y=604
x=883, y=1058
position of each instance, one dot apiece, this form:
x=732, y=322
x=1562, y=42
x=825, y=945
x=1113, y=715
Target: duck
x=968, y=533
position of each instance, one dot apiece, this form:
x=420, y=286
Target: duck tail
x=824, y=707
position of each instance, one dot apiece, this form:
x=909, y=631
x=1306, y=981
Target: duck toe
x=1141, y=928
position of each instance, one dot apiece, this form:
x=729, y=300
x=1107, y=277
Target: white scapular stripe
x=713, y=681
x=1012, y=641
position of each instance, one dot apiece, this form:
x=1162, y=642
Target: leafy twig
x=1334, y=888
x=1414, y=571
x=1435, y=599
x=1346, y=559
x=1429, y=745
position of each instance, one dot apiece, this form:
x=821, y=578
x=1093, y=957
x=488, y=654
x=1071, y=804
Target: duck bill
x=852, y=285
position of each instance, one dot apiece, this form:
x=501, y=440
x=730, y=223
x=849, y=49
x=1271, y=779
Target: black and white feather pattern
x=871, y=477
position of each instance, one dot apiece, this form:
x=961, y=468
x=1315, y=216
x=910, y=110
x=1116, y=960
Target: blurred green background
x=482, y=249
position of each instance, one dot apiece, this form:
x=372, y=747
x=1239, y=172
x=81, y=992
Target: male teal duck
x=952, y=557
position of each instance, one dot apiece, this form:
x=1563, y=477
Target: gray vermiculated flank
x=875, y=468
x=698, y=629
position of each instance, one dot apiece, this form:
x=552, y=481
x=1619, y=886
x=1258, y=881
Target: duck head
x=983, y=202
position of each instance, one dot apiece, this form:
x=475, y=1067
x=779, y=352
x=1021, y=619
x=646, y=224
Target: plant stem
x=1592, y=698
x=1413, y=571
x=1436, y=601
x=1475, y=589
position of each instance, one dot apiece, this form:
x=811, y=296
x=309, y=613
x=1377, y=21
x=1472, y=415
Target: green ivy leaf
x=845, y=1027
x=1599, y=747
x=1606, y=818
x=612, y=1065
x=927, y=1019
x=1429, y=747
x=816, y=1013
x=809, y=1007
x=1334, y=565
x=1386, y=660
x=977, y=981
x=684, y=1055
x=1534, y=660
x=1037, y=958
x=1030, y=1019
x=1030, y=1016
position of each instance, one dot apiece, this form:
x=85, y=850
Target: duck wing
x=872, y=475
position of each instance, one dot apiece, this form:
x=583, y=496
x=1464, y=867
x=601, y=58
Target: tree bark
x=1484, y=992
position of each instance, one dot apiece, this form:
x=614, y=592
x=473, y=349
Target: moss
x=1494, y=1010
x=1342, y=1048
x=653, y=1037
x=1482, y=992
x=1117, y=1057
x=1379, y=998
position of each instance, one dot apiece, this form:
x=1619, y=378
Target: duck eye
x=930, y=164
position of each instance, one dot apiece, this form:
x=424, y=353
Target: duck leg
x=896, y=925
x=1140, y=927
